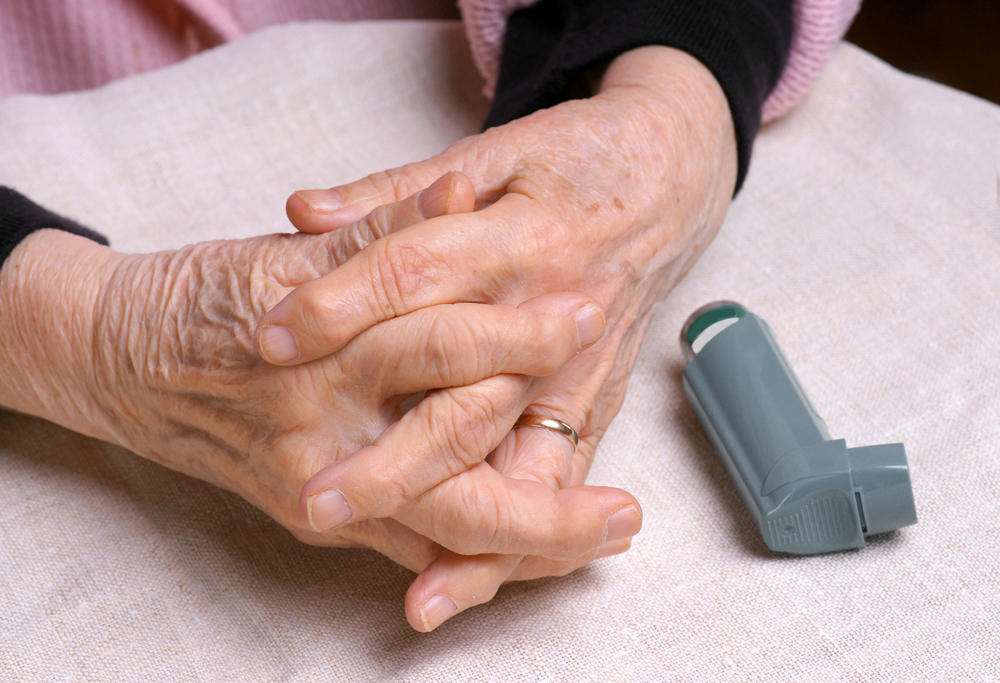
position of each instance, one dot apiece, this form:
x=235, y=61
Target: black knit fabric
x=19, y=217
x=549, y=47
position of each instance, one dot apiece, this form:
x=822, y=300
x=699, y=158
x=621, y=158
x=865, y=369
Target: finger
x=546, y=456
x=481, y=511
x=459, y=344
x=442, y=260
x=452, y=193
x=488, y=159
x=447, y=433
x=474, y=509
x=319, y=211
x=453, y=583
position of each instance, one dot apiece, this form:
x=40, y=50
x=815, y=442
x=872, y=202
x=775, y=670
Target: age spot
x=618, y=204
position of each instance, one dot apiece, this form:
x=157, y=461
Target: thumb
x=487, y=159
x=319, y=211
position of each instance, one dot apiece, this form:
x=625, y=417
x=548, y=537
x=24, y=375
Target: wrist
x=672, y=80
x=683, y=97
x=49, y=288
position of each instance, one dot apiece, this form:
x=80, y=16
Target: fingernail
x=436, y=611
x=321, y=201
x=589, y=325
x=327, y=510
x=623, y=524
x=277, y=345
x=435, y=199
x=613, y=548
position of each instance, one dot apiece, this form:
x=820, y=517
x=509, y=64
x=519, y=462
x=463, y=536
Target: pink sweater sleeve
x=818, y=25
x=50, y=46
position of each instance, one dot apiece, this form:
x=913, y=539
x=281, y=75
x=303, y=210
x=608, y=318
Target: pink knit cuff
x=485, y=24
x=818, y=25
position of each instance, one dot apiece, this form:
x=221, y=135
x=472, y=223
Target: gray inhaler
x=807, y=493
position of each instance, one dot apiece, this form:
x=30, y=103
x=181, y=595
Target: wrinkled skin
x=615, y=196
x=154, y=353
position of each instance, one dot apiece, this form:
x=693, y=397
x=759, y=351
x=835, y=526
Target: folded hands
x=514, y=273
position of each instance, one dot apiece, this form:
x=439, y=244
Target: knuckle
x=392, y=484
x=345, y=243
x=545, y=239
x=548, y=233
x=474, y=426
x=463, y=430
x=490, y=527
x=320, y=313
x=565, y=537
x=500, y=535
x=393, y=183
x=398, y=270
x=377, y=222
x=392, y=492
x=384, y=494
x=454, y=352
x=553, y=342
x=441, y=349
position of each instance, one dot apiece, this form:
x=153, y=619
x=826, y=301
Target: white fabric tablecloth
x=868, y=235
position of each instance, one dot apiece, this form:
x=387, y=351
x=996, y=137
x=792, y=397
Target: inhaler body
x=806, y=492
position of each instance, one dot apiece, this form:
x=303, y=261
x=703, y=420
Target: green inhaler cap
x=706, y=322
x=807, y=493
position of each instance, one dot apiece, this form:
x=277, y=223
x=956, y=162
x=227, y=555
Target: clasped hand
x=587, y=214
x=154, y=352
x=615, y=196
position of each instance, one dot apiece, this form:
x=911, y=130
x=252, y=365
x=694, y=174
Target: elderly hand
x=154, y=352
x=616, y=196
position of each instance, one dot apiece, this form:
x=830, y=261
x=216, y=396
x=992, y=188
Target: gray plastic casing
x=807, y=493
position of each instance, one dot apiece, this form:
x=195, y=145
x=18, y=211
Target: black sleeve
x=19, y=217
x=549, y=47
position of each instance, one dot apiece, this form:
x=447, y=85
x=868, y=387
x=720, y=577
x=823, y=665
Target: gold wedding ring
x=549, y=423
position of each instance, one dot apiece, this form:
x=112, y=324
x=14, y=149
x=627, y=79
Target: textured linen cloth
x=867, y=235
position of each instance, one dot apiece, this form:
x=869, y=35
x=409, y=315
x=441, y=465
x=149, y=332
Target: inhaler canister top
x=806, y=492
